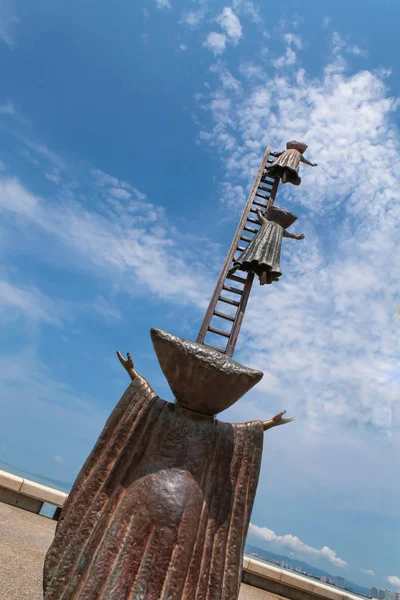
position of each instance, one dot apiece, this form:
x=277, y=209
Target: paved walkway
x=24, y=540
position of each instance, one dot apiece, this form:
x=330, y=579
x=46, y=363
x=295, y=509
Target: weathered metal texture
x=161, y=508
x=201, y=379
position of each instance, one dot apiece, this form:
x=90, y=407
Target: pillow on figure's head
x=284, y=218
x=299, y=146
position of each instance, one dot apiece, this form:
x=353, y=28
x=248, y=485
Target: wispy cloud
x=123, y=236
x=8, y=22
x=216, y=42
x=163, y=4
x=232, y=28
x=368, y=572
x=289, y=58
x=7, y=109
x=295, y=545
x=230, y=23
x=247, y=8
x=29, y=302
x=394, y=580
x=332, y=349
x=193, y=18
x=44, y=152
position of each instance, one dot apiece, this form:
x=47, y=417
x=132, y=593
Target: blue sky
x=130, y=138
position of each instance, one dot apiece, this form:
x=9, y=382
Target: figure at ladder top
x=262, y=255
x=286, y=167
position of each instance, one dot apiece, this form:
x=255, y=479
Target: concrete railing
x=290, y=585
x=31, y=496
x=28, y=494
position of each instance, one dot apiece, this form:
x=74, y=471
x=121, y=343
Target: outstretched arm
x=277, y=420
x=307, y=162
x=293, y=236
x=276, y=154
x=127, y=364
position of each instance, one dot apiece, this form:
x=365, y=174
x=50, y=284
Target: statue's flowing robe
x=263, y=252
x=160, y=509
x=289, y=162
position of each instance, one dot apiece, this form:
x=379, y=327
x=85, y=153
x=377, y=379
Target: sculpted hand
x=128, y=365
x=277, y=420
x=300, y=236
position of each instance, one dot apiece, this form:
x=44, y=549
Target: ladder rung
x=234, y=290
x=265, y=189
x=219, y=332
x=261, y=196
x=229, y=301
x=251, y=229
x=223, y=316
x=259, y=204
x=240, y=248
x=215, y=348
x=236, y=278
x=264, y=180
x=245, y=239
x=253, y=220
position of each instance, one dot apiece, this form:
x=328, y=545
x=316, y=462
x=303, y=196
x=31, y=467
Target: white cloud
x=182, y=47
x=7, y=109
x=286, y=60
x=230, y=23
x=293, y=39
x=289, y=58
x=54, y=176
x=29, y=302
x=216, y=42
x=332, y=322
x=120, y=193
x=8, y=21
x=161, y=4
x=394, y=580
x=368, y=572
x=293, y=544
x=44, y=152
x=193, y=17
x=58, y=459
x=125, y=239
x=247, y=8
x=326, y=21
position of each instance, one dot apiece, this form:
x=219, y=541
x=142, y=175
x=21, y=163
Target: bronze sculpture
x=287, y=163
x=160, y=510
x=262, y=255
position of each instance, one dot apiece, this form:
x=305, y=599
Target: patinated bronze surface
x=160, y=510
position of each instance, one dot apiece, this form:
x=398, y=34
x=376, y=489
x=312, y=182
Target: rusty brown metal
x=161, y=507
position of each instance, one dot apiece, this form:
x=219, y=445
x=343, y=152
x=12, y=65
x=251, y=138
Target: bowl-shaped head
x=201, y=378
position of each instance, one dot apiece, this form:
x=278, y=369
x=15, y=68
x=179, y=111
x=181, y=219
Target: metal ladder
x=228, y=302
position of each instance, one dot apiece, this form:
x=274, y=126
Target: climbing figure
x=286, y=167
x=263, y=253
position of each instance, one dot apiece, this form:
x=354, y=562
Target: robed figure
x=262, y=255
x=161, y=508
x=286, y=166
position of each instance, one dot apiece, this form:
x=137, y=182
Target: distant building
x=397, y=596
x=375, y=592
x=340, y=583
x=381, y=594
x=389, y=595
